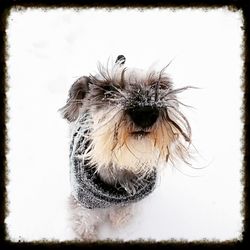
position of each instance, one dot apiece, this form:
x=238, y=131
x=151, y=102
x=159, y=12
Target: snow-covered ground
x=49, y=50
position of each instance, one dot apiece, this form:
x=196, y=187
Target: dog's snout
x=144, y=117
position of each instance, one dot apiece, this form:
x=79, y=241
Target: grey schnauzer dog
x=125, y=124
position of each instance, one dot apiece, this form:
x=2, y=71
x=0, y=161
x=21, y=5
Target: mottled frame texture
x=233, y=5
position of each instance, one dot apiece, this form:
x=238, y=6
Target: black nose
x=143, y=117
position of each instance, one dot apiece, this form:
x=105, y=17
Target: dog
x=126, y=124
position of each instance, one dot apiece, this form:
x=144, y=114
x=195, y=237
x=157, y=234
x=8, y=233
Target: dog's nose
x=144, y=117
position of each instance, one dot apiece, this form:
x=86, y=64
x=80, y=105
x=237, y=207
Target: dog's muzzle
x=143, y=117
x=88, y=187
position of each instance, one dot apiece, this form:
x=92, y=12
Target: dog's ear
x=77, y=93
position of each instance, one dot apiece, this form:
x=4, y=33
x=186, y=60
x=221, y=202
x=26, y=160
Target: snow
x=49, y=50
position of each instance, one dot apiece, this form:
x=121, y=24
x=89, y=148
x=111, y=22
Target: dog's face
x=135, y=117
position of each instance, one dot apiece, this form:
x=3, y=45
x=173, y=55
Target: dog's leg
x=84, y=221
x=120, y=215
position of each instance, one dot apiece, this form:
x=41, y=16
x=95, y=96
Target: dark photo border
x=5, y=7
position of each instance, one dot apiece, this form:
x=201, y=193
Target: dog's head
x=135, y=117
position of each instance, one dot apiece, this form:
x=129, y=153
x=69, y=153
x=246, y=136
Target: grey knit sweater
x=87, y=186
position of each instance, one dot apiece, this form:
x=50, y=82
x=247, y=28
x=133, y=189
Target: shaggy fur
x=134, y=126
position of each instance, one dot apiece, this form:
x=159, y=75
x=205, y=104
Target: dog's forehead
x=129, y=76
x=135, y=74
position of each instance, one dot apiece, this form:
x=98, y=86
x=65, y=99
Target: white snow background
x=49, y=50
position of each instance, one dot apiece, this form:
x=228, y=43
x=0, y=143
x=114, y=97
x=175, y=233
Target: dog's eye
x=159, y=85
x=108, y=90
x=154, y=86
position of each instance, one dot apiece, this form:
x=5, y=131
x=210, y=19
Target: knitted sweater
x=87, y=186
